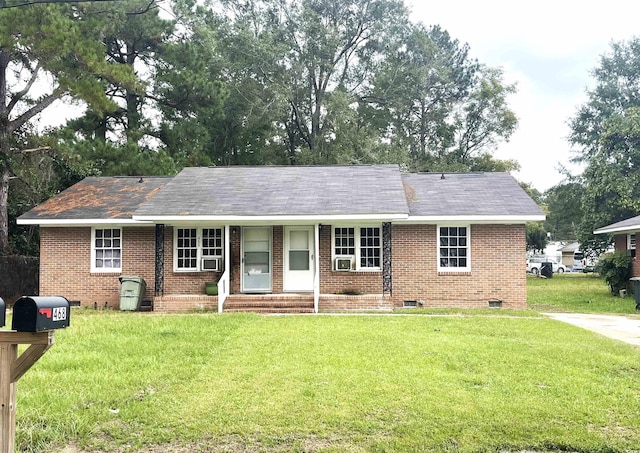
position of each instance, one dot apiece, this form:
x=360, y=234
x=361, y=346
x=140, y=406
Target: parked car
x=535, y=263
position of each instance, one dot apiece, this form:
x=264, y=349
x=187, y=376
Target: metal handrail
x=223, y=290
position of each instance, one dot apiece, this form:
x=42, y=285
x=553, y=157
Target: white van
x=582, y=263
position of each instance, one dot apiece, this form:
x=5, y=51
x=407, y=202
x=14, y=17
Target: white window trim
x=199, y=254
x=105, y=270
x=631, y=245
x=357, y=246
x=468, y=247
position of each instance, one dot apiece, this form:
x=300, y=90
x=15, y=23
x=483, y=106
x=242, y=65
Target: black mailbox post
x=3, y=312
x=35, y=313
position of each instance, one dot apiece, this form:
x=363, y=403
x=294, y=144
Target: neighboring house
x=624, y=238
x=568, y=252
x=312, y=238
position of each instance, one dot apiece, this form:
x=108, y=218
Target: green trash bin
x=131, y=292
x=636, y=290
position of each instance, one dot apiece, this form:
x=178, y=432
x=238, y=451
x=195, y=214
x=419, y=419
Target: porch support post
x=387, y=281
x=226, y=275
x=316, y=268
x=159, y=270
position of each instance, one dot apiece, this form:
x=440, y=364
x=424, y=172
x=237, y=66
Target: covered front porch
x=285, y=268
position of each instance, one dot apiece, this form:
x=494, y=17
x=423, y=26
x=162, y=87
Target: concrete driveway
x=612, y=326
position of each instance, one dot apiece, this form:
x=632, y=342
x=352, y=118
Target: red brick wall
x=620, y=242
x=497, y=268
x=65, y=265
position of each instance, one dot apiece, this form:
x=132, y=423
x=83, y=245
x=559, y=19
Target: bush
x=616, y=270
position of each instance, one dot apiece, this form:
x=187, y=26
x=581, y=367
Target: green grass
x=583, y=293
x=240, y=382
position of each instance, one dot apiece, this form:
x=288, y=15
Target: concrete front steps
x=269, y=303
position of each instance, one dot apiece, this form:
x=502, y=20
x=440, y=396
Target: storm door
x=298, y=258
x=256, y=259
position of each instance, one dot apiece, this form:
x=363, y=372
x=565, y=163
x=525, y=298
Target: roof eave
x=80, y=222
x=240, y=219
x=620, y=230
x=476, y=219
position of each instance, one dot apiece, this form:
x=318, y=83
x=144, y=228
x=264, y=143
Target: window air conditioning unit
x=344, y=264
x=211, y=264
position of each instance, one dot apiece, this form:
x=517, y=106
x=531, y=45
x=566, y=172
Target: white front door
x=298, y=258
x=256, y=259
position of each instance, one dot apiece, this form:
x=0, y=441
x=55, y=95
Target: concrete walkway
x=612, y=326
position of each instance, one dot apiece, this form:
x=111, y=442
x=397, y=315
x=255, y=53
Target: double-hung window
x=212, y=242
x=186, y=253
x=191, y=245
x=361, y=245
x=454, y=249
x=106, y=250
x=631, y=244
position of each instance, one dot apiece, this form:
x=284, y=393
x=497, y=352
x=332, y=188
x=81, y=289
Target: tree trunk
x=5, y=149
x=4, y=199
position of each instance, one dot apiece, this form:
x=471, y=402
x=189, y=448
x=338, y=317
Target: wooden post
x=12, y=368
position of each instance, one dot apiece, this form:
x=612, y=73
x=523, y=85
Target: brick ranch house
x=316, y=238
x=624, y=239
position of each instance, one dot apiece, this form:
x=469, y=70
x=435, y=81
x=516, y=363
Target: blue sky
x=548, y=48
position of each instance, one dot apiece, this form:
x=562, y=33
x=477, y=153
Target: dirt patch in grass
x=235, y=444
x=166, y=448
x=547, y=308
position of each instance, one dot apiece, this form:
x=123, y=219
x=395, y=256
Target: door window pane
x=299, y=260
x=299, y=240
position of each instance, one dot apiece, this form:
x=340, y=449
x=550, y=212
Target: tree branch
x=20, y=94
x=37, y=108
x=3, y=4
x=144, y=10
x=34, y=150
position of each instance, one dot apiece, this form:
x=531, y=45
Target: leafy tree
x=132, y=34
x=313, y=58
x=444, y=108
x=38, y=174
x=58, y=42
x=606, y=134
x=108, y=159
x=216, y=83
x=536, y=237
x=564, y=203
x=333, y=48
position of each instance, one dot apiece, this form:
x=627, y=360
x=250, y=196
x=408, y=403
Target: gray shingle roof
x=98, y=198
x=377, y=191
x=627, y=225
x=277, y=191
x=467, y=194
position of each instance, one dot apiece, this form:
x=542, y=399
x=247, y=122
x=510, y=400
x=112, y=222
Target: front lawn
x=241, y=382
x=580, y=293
